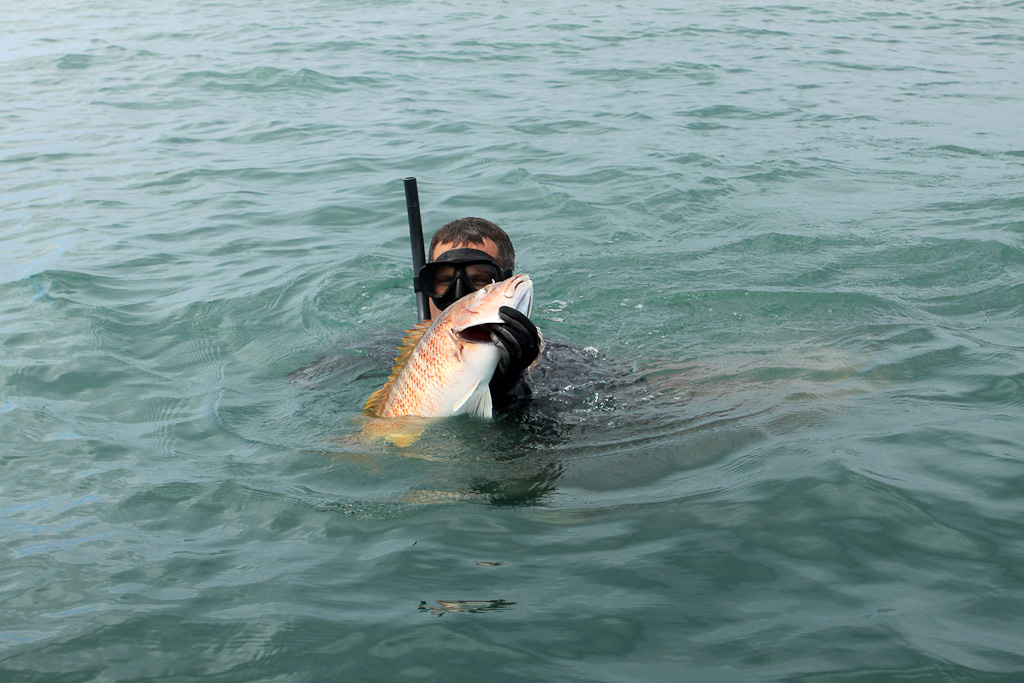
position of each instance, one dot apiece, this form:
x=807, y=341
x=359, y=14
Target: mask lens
x=438, y=279
x=481, y=274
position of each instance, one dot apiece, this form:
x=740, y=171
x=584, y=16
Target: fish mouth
x=522, y=295
x=476, y=334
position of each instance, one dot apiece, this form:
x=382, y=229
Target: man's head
x=476, y=234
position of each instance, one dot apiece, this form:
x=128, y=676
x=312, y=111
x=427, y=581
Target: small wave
x=1003, y=299
x=998, y=391
x=966, y=151
x=270, y=79
x=74, y=61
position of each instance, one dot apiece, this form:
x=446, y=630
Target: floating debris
x=475, y=606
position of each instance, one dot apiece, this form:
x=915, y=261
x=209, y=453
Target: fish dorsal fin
x=375, y=404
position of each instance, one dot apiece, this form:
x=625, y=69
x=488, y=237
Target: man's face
x=487, y=246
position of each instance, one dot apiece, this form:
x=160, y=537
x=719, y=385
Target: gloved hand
x=518, y=343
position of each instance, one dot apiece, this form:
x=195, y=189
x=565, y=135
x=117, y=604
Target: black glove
x=518, y=343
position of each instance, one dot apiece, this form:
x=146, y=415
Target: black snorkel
x=412, y=205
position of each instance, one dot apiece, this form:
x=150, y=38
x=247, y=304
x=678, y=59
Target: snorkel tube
x=412, y=205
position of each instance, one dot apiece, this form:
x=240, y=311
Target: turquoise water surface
x=793, y=232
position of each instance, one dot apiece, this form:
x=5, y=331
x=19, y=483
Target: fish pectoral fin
x=477, y=401
x=462, y=401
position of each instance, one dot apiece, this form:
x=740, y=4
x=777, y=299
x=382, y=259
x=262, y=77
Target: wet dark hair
x=463, y=232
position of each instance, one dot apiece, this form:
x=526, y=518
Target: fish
x=444, y=366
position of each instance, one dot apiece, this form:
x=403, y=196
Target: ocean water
x=793, y=230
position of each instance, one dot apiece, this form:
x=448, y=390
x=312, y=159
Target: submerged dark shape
x=474, y=606
x=566, y=384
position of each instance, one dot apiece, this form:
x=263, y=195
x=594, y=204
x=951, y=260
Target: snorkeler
x=465, y=255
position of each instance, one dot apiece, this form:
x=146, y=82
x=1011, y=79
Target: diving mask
x=458, y=272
